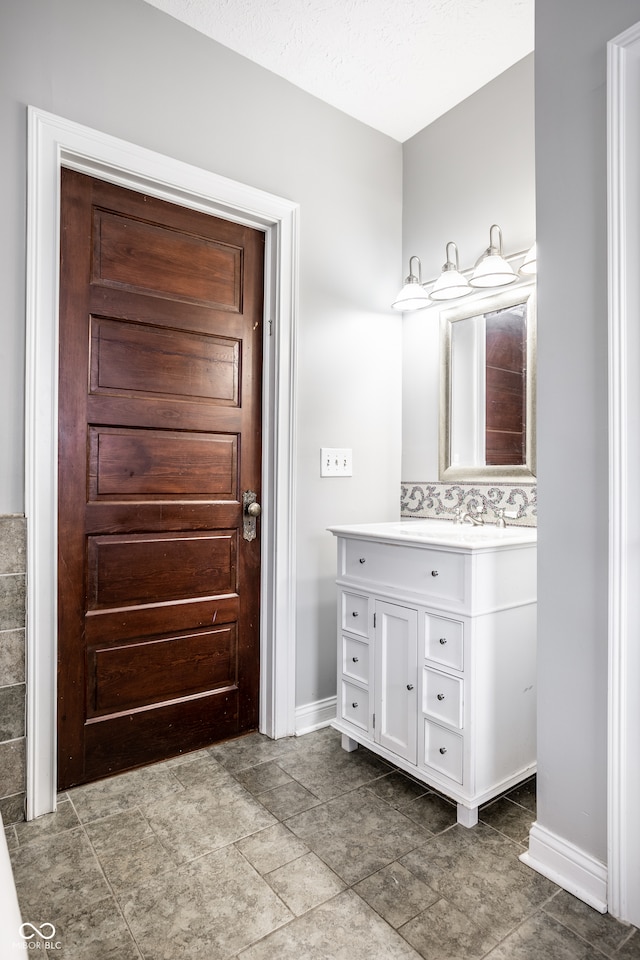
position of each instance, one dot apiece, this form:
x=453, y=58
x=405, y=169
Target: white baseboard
x=313, y=716
x=565, y=864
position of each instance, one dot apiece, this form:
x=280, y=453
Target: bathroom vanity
x=437, y=652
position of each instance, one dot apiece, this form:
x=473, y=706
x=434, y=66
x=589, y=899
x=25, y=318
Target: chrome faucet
x=467, y=516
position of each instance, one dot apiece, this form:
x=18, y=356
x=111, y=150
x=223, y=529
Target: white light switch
x=336, y=462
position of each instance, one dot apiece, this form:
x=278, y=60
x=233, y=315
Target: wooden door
x=161, y=322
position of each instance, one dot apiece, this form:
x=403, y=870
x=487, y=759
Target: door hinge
x=270, y=328
x=374, y=721
x=374, y=621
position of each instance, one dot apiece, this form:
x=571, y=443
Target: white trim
x=623, y=145
x=568, y=866
x=54, y=142
x=313, y=716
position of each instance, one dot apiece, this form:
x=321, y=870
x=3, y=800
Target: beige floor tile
x=396, y=894
x=345, y=928
x=211, y=908
x=271, y=848
x=304, y=883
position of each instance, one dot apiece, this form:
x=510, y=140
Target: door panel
x=396, y=669
x=160, y=434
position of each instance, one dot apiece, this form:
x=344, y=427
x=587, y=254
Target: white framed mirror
x=487, y=428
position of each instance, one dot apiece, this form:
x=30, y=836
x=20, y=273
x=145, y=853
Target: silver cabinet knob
x=443, y=750
x=409, y=686
x=441, y=696
x=355, y=704
x=363, y=559
x=355, y=659
x=434, y=573
x=354, y=613
x=443, y=640
x=254, y=509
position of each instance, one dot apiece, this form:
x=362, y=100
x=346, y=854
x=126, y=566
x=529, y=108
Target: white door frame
x=623, y=145
x=54, y=142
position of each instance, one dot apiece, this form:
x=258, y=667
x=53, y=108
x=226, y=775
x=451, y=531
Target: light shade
x=530, y=263
x=492, y=270
x=413, y=295
x=450, y=284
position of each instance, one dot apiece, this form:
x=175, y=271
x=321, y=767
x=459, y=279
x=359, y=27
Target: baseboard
x=313, y=716
x=565, y=864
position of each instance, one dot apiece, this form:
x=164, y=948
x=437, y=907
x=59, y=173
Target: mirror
x=487, y=387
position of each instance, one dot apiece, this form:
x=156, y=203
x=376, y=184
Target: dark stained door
x=159, y=436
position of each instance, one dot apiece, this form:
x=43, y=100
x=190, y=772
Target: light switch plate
x=336, y=462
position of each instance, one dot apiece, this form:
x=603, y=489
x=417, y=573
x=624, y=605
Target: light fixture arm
x=452, y=261
x=493, y=249
x=412, y=277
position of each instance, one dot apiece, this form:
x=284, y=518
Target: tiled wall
x=13, y=567
x=439, y=500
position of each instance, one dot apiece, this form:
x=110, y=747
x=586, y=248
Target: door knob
x=251, y=510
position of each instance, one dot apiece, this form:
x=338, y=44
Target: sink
x=444, y=532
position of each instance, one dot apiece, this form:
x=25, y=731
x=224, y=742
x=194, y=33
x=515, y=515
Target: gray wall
x=471, y=168
x=570, y=92
x=129, y=70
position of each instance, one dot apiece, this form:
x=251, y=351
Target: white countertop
x=440, y=533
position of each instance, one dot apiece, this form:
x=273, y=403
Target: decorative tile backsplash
x=12, y=663
x=440, y=500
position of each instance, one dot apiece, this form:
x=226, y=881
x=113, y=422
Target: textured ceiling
x=396, y=65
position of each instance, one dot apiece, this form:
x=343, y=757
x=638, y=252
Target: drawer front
x=355, y=613
x=443, y=750
x=432, y=573
x=355, y=705
x=355, y=659
x=442, y=697
x=444, y=641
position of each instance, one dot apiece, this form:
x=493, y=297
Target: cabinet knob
x=354, y=613
x=355, y=704
x=355, y=659
x=443, y=640
x=434, y=573
x=363, y=559
x=443, y=750
x=409, y=686
x=441, y=696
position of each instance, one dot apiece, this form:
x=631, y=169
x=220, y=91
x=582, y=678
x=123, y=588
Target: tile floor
x=294, y=850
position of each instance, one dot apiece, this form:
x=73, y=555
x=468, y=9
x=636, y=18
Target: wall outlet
x=336, y=462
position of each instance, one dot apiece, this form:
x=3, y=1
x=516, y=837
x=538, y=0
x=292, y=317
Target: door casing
x=54, y=142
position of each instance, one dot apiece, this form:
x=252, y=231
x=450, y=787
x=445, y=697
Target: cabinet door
x=396, y=672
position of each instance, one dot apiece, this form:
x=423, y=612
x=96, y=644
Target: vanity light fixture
x=413, y=295
x=529, y=265
x=492, y=270
x=450, y=284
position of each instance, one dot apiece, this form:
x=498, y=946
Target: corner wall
x=571, y=141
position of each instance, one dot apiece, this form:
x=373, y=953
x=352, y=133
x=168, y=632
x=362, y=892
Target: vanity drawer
x=355, y=613
x=443, y=641
x=443, y=750
x=433, y=573
x=442, y=697
x=355, y=705
x=355, y=659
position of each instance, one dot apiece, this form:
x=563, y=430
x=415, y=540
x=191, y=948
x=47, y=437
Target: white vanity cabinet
x=436, y=652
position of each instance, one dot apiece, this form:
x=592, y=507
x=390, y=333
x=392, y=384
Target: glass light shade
x=412, y=296
x=450, y=285
x=492, y=271
x=530, y=264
